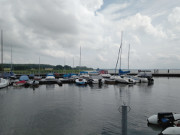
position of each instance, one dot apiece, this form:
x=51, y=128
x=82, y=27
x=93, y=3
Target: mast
x=80, y=57
x=64, y=65
x=80, y=60
x=117, y=58
x=2, y=52
x=121, y=50
x=11, y=58
x=73, y=62
x=128, y=56
x=39, y=65
x=119, y=53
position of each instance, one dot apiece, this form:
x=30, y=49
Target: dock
x=157, y=74
x=133, y=74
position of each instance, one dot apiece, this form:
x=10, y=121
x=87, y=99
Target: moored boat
x=105, y=75
x=37, y=78
x=164, y=118
x=33, y=83
x=125, y=80
x=84, y=74
x=50, y=77
x=81, y=81
x=145, y=76
x=171, y=131
x=19, y=83
x=24, y=78
x=4, y=83
x=110, y=81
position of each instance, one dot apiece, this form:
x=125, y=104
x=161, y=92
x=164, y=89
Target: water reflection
x=50, y=86
x=155, y=127
x=95, y=86
x=86, y=110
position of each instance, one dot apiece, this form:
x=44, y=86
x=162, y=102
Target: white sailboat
x=81, y=80
x=119, y=78
x=12, y=75
x=3, y=82
x=38, y=77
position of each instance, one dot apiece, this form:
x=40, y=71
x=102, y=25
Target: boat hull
x=81, y=81
x=3, y=83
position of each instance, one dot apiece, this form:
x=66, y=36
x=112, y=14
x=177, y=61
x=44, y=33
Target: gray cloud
x=56, y=29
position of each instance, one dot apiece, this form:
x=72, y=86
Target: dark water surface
x=90, y=110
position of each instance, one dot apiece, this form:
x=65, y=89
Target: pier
x=157, y=74
x=133, y=74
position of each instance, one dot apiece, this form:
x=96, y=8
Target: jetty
x=133, y=74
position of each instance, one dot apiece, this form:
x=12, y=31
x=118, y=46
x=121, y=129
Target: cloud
x=56, y=29
x=142, y=23
x=174, y=17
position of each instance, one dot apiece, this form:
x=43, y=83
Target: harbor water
x=86, y=110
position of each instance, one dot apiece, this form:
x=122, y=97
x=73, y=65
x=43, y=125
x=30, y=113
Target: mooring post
x=124, y=120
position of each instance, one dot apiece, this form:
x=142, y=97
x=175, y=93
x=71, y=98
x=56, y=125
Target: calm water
x=90, y=110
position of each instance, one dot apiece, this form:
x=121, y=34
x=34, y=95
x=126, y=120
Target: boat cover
x=121, y=72
x=24, y=77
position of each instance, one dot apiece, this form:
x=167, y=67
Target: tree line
x=42, y=66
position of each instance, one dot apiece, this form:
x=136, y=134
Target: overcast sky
x=55, y=30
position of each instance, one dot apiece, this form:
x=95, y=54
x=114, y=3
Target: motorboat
x=125, y=80
x=81, y=81
x=69, y=78
x=105, y=75
x=169, y=121
x=171, y=131
x=33, y=83
x=20, y=83
x=50, y=77
x=4, y=83
x=37, y=78
x=139, y=79
x=145, y=76
x=164, y=118
x=109, y=81
x=136, y=79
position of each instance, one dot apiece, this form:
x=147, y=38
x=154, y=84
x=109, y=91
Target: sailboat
x=38, y=77
x=11, y=74
x=3, y=82
x=119, y=78
x=80, y=80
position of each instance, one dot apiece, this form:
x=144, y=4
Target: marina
x=89, y=67
x=91, y=109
